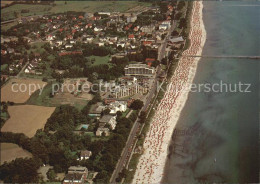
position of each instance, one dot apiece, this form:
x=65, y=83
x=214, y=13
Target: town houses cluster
x=122, y=55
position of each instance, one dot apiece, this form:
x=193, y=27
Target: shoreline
x=150, y=168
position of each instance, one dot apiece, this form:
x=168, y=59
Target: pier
x=226, y=57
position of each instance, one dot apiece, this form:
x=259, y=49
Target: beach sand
x=151, y=164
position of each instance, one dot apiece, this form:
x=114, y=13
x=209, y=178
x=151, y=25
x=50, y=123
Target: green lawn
x=5, y=27
x=132, y=166
x=100, y=60
x=37, y=47
x=96, y=138
x=43, y=99
x=3, y=67
x=126, y=112
x=80, y=106
x=14, y=11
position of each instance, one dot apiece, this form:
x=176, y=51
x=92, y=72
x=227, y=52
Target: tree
x=137, y=104
x=178, y=16
x=142, y=117
x=20, y=171
x=180, y=5
x=119, y=113
x=183, y=23
x=106, y=111
x=51, y=175
x=164, y=61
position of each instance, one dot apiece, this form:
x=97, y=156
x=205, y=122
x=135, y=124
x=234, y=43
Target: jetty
x=226, y=57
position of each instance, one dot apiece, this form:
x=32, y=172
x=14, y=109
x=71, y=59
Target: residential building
x=117, y=106
x=74, y=178
x=139, y=70
x=85, y=154
x=131, y=18
x=163, y=27
x=176, y=39
x=96, y=110
x=102, y=131
x=148, y=29
x=108, y=119
x=78, y=169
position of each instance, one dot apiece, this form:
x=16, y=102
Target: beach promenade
x=151, y=164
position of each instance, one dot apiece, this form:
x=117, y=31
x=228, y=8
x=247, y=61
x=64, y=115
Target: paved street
x=136, y=127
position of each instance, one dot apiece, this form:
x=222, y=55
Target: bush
x=137, y=104
x=25, y=11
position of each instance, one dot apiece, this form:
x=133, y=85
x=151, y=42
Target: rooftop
x=106, y=118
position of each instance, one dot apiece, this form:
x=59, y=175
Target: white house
x=117, y=106
x=97, y=29
x=89, y=39
x=59, y=42
x=72, y=41
x=68, y=46
x=163, y=27
x=120, y=44
x=50, y=37
x=101, y=44
x=168, y=22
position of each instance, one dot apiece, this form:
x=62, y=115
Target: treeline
x=49, y=2
x=92, y=49
x=110, y=151
x=58, y=147
x=20, y=171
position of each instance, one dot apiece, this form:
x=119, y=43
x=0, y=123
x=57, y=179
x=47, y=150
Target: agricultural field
x=11, y=92
x=4, y=3
x=27, y=119
x=96, y=6
x=15, y=11
x=10, y=151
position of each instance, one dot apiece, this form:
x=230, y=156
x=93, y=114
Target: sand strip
x=151, y=164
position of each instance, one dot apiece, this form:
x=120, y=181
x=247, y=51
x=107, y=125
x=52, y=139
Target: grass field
x=79, y=6
x=27, y=119
x=59, y=99
x=5, y=27
x=96, y=6
x=10, y=91
x=37, y=47
x=43, y=99
x=100, y=60
x=11, y=151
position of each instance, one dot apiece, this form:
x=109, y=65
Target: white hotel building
x=139, y=70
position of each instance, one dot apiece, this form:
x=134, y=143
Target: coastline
x=151, y=164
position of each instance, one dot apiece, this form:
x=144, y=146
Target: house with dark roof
x=108, y=119
x=85, y=154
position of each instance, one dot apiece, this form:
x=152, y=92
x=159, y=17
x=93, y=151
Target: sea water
x=220, y=143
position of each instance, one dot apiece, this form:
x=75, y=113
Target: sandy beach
x=151, y=164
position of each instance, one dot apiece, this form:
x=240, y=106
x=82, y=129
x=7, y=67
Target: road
x=162, y=49
x=129, y=147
